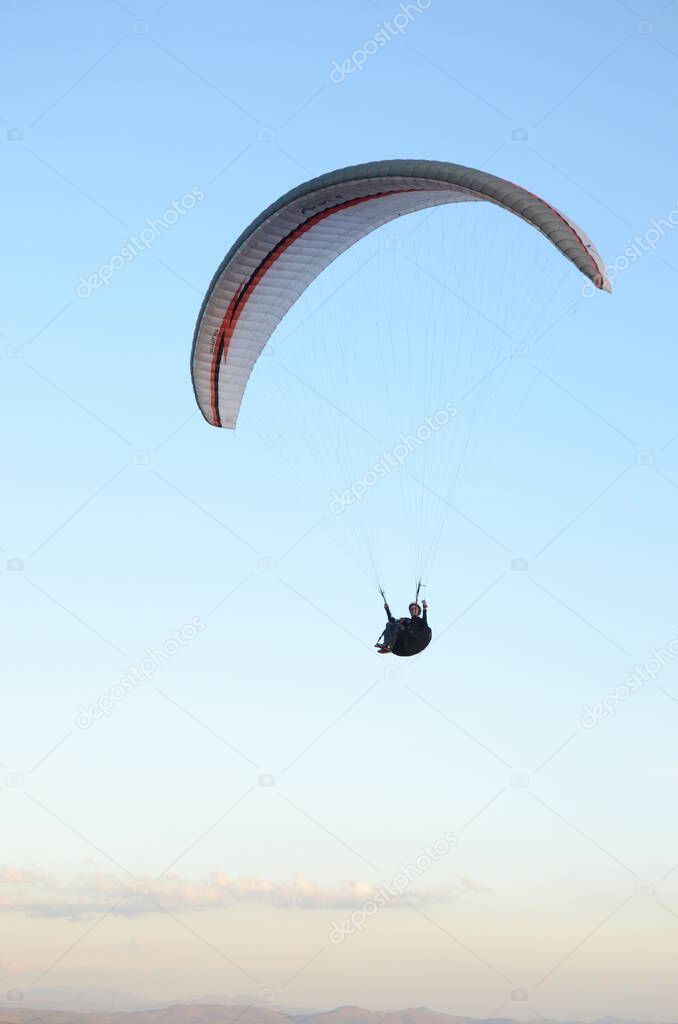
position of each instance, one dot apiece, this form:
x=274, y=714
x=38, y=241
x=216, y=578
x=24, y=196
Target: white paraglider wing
x=294, y=240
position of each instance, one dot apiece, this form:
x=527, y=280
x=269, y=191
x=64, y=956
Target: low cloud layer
x=88, y=895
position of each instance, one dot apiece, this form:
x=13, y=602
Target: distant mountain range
x=101, y=1006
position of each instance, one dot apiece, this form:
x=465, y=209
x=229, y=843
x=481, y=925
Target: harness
x=416, y=601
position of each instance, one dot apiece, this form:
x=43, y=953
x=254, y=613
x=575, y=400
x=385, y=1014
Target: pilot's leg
x=389, y=638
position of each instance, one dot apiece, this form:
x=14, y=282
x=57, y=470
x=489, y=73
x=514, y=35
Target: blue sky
x=126, y=519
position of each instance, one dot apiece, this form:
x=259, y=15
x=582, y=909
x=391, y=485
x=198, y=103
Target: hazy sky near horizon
x=262, y=787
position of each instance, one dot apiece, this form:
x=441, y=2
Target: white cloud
x=38, y=895
x=17, y=876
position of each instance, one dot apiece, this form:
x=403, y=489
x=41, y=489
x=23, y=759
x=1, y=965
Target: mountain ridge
x=196, y=1012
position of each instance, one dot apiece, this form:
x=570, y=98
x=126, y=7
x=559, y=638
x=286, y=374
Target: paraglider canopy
x=288, y=245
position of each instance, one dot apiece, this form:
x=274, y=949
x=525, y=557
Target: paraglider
x=406, y=636
x=295, y=239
